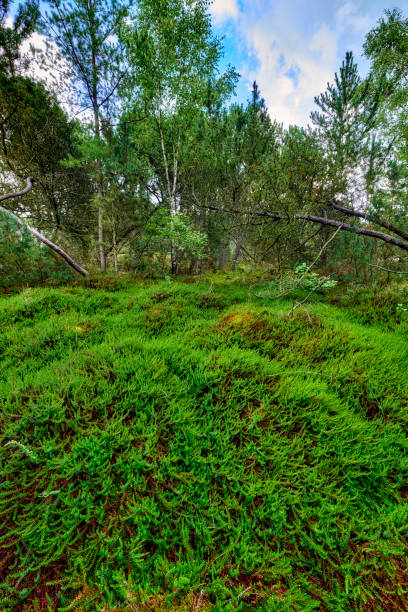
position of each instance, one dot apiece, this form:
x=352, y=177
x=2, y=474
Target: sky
x=292, y=48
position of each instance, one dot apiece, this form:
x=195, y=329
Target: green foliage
x=11, y=36
x=167, y=440
x=36, y=137
x=311, y=280
x=23, y=261
x=173, y=52
x=87, y=36
x=297, y=283
x=347, y=113
x=187, y=239
x=386, y=46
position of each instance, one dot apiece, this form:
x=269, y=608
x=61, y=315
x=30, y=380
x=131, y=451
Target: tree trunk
x=173, y=248
x=171, y=193
x=101, y=237
x=101, y=245
x=238, y=248
x=173, y=254
x=221, y=255
x=114, y=243
x=225, y=253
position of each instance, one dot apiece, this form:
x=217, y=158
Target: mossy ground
x=184, y=446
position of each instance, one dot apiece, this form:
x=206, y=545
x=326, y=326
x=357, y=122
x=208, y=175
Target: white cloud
x=296, y=51
x=224, y=9
x=349, y=16
x=291, y=73
x=324, y=43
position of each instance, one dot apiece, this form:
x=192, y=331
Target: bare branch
x=371, y=218
x=354, y=229
x=17, y=194
x=323, y=280
x=35, y=232
x=386, y=269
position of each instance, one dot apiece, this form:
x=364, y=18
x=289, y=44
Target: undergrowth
x=185, y=446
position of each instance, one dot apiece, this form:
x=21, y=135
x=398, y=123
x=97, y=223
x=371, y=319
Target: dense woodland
x=142, y=162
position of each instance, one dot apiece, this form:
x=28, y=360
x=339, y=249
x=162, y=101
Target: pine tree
x=87, y=35
x=348, y=112
x=11, y=37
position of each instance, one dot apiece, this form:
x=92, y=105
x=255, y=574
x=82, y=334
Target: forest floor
x=185, y=445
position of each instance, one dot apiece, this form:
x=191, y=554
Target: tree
x=35, y=138
x=386, y=46
x=87, y=33
x=35, y=134
x=348, y=110
x=173, y=54
x=303, y=180
x=35, y=232
x=12, y=36
x=227, y=172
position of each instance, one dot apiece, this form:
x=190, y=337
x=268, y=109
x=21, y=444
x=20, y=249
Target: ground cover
x=185, y=445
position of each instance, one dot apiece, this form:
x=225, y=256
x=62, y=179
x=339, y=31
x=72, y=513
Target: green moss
x=166, y=443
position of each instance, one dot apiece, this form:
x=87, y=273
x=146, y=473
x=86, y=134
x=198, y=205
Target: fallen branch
x=355, y=213
x=354, y=229
x=402, y=244
x=71, y=262
x=386, y=269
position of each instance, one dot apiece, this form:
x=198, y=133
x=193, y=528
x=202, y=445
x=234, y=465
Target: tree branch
x=361, y=231
x=315, y=288
x=361, y=215
x=17, y=194
x=35, y=232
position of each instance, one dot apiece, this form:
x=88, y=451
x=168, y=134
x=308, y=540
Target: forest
x=203, y=320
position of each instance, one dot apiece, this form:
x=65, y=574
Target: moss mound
x=176, y=446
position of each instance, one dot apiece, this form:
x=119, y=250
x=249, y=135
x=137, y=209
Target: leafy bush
x=310, y=280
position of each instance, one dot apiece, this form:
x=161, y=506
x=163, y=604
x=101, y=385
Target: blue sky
x=293, y=47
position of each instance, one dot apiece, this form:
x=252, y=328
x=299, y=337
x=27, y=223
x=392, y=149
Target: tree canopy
x=150, y=166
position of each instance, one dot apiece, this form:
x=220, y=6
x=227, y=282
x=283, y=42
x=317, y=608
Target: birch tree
x=173, y=54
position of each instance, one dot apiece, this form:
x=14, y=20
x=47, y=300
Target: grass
x=185, y=446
